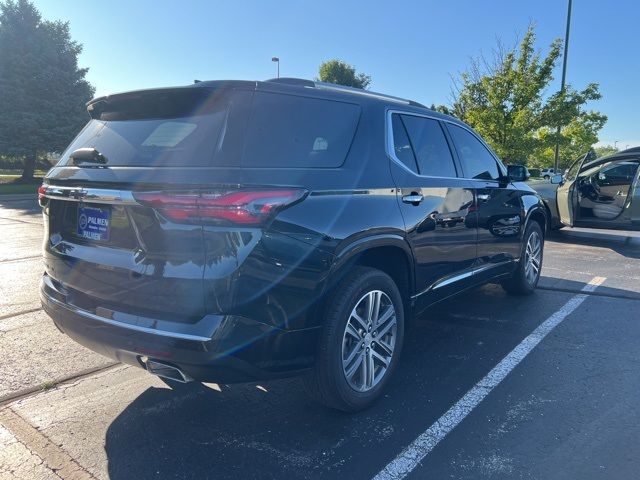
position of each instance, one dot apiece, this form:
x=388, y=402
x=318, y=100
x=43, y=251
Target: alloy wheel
x=369, y=341
x=533, y=258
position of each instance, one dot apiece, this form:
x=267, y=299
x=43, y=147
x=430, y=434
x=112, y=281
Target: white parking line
x=411, y=456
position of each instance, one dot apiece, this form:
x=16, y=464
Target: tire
x=526, y=276
x=328, y=382
x=547, y=177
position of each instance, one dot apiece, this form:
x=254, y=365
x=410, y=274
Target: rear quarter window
x=288, y=131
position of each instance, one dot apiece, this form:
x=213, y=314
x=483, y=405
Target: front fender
x=534, y=205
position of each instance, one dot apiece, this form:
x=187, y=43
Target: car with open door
x=596, y=192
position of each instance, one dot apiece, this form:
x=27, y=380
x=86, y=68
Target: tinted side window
x=430, y=146
x=298, y=132
x=401, y=144
x=624, y=171
x=476, y=159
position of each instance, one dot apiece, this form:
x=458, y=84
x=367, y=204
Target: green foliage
x=441, y=109
x=576, y=139
x=534, y=172
x=20, y=188
x=341, y=73
x=43, y=92
x=505, y=100
x=605, y=150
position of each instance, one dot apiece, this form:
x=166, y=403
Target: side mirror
x=556, y=179
x=517, y=173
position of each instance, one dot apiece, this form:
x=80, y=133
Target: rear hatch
x=161, y=190
x=109, y=246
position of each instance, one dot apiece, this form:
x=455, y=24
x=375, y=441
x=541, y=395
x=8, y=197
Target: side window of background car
x=617, y=174
x=401, y=144
x=429, y=146
x=476, y=159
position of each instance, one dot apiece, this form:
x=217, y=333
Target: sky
x=410, y=49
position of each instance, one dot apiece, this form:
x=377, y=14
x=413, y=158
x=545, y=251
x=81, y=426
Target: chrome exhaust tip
x=166, y=371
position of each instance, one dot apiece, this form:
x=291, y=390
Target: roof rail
x=629, y=150
x=367, y=93
x=300, y=82
x=342, y=88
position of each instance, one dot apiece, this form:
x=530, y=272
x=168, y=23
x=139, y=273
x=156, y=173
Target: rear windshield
x=159, y=129
x=237, y=128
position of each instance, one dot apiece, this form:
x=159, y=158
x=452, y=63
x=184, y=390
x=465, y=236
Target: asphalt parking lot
x=489, y=386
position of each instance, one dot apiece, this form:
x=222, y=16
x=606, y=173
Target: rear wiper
x=89, y=155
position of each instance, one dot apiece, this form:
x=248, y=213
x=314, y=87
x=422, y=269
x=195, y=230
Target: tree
x=576, y=139
x=505, y=99
x=337, y=71
x=43, y=92
x=441, y=109
x=605, y=150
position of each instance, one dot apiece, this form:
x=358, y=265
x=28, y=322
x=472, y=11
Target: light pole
x=277, y=60
x=564, y=77
x=615, y=144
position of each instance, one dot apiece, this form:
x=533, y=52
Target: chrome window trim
x=90, y=195
x=390, y=147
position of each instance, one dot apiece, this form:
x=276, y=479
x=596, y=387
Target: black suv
x=231, y=231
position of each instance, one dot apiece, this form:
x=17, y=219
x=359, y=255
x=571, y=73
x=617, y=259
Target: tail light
x=42, y=191
x=245, y=207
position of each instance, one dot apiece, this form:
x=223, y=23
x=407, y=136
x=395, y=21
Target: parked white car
x=547, y=173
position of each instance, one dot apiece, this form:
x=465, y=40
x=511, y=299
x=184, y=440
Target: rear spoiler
x=170, y=97
x=146, y=103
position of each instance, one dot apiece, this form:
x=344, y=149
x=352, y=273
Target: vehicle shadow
x=12, y=208
x=624, y=243
x=272, y=430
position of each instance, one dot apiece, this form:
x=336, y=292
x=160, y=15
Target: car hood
x=546, y=190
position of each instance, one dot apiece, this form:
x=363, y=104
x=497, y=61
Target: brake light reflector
x=245, y=207
x=42, y=190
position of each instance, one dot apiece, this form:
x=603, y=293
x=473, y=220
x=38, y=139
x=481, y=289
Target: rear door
x=606, y=194
x=437, y=206
x=497, y=201
x=614, y=183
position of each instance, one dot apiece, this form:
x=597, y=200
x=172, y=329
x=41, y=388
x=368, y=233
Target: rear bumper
x=217, y=348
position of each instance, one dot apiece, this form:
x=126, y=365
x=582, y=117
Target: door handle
x=484, y=197
x=414, y=198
